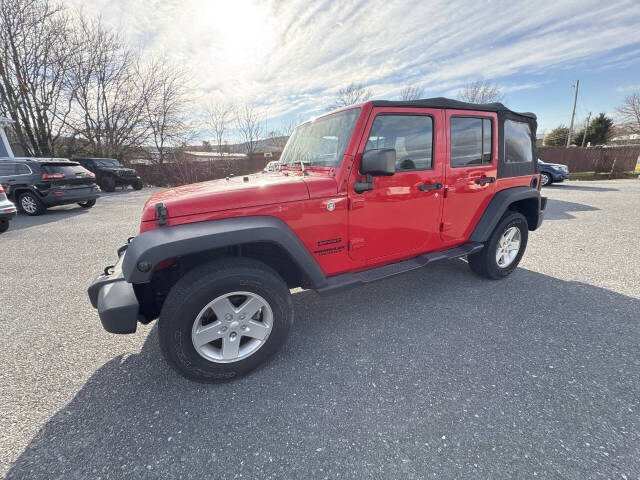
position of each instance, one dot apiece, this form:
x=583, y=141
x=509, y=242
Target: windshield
x=321, y=142
x=108, y=162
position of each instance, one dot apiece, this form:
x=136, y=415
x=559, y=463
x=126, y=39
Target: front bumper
x=560, y=176
x=115, y=299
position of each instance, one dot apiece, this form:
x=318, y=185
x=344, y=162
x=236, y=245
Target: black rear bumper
x=116, y=301
x=70, y=196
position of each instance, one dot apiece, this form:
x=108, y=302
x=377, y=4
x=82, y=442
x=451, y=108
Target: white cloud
x=292, y=56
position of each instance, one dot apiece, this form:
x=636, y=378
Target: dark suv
x=37, y=184
x=110, y=173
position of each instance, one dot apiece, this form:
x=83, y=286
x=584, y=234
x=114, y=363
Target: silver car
x=7, y=211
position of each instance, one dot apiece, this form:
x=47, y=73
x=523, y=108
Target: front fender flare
x=154, y=246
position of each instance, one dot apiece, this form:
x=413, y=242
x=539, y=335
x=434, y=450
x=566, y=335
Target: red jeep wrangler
x=364, y=193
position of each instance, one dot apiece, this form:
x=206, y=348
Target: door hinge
x=356, y=243
x=161, y=213
x=355, y=203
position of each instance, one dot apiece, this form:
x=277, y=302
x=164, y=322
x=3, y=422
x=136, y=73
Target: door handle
x=483, y=180
x=430, y=186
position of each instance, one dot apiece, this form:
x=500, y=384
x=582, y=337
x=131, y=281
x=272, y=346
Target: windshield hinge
x=161, y=213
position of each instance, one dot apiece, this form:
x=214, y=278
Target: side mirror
x=380, y=161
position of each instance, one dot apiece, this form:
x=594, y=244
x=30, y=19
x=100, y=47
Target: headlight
x=562, y=168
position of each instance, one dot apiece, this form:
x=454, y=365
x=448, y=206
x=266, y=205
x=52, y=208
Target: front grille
x=126, y=173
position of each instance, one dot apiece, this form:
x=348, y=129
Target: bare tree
x=481, y=92
x=411, y=92
x=218, y=118
x=629, y=113
x=165, y=98
x=278, y=138
x=249, y=124
x=354, y=93
x=108, y=102
x=35, y=51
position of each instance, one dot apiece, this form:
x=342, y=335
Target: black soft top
x=442, y=102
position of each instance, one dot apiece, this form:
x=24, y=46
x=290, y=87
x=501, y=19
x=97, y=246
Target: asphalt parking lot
x=434, y=374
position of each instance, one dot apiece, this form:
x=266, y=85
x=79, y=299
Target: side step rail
x=351, y=280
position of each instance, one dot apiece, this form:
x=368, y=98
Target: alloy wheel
x=508, y=247
x=28, y=204
x=232, y=327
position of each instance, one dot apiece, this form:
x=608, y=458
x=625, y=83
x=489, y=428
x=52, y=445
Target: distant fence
x=593, y=159
x=189, y=171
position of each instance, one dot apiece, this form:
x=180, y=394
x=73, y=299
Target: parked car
x=7, y=211
x=36, y=184
x=552, y=172
x=364, y=193
x=110, y=173
x=272, y=166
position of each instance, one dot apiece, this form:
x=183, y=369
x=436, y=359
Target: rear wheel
x=224, y=318
x=108, y=184
x=4, y=225
x=87, y=204
x=504, y=249
x=30, y=204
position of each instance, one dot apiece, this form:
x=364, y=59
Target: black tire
x=108, y=184
x=204, y=284
x=87, y=204
x=30, y=204
x=4, y=225
x=484, y=262
x=137, y=185
x=545, y=179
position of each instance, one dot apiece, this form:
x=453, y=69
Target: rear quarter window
x=517, y=142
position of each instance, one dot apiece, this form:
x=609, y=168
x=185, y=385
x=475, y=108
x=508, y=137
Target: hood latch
x=161, y=213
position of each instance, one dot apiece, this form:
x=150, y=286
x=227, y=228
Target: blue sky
x=290, y=57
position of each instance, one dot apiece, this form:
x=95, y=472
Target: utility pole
x=586, y=129
x=573, y=114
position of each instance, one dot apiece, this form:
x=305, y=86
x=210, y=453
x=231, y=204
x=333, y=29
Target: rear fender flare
x=499, y=204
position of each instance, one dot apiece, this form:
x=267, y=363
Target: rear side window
x=66, y=170
x=517, y=142
x=471, y=141
x=22, y=169
x=410, y=135
x=7, y=169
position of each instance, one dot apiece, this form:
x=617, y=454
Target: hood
x=223, y=194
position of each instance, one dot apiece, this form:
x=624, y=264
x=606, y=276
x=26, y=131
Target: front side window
x=321, y=142
x=518, y=147
x=410, y=135
x=471, y=141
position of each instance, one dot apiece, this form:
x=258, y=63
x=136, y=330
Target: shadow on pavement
x=54, y=214
x=584, y=188
x=559, y=209
x=436, y=373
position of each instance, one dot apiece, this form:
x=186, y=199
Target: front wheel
x=137, y=185
x=545, y=179
x=504, y=249
x=224, y=319
x=4, y=225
